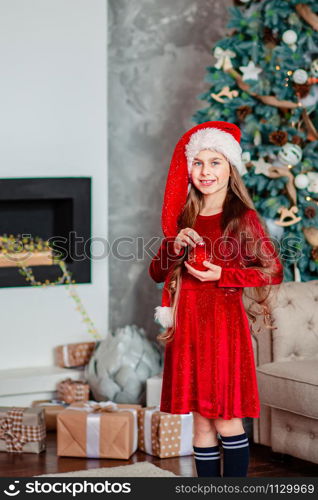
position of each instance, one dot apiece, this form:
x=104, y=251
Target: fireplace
x=56, y=209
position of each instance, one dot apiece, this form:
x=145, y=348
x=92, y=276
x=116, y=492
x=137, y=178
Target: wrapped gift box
x=74, y=355
x=72, y=391
x=51, y=409
x=98, y=430
x=164, y=434
x=153, y=390
x=22, y=429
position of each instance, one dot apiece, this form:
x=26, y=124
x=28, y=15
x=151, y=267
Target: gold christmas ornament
x=276, y=172
x=286, y=213
x=224, y=92
x=311, y=235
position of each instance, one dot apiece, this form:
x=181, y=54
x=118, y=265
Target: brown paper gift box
x=72, y=391
x=73, y=355
x=103, y=433
x=51, y=409
x=163, y=434
x=22, y=429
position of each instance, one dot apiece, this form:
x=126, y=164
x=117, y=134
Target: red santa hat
x=220, y=136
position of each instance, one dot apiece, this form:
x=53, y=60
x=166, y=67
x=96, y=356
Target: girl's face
x=212, y=167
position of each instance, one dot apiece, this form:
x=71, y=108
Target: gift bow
x=15, y=433
x=14, y=439
x=93, y=407
x=223, y=58
x=70, y=381
x=107, y=408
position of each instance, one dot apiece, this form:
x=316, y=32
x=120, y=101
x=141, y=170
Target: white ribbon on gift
x=147, y=428
x=93, y=425
x=66, y=360
x=186, y=438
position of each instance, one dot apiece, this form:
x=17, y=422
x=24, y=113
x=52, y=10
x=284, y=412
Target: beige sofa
x=287, y=372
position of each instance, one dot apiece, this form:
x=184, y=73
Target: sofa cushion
x=290, y=386
x=294, y=313
x=294, y=435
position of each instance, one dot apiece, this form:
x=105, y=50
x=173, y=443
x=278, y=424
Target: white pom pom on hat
x=215, y=139
x=163, y=314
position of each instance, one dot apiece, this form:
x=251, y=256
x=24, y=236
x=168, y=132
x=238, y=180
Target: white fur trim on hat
x=163, y=314
x=218, y=140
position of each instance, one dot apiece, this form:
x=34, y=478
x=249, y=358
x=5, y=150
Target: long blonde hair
x=236, y=202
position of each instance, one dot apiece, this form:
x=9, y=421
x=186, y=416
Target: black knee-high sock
x=207, y=461
x=235, y=455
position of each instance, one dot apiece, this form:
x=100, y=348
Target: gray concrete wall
x=158, y=53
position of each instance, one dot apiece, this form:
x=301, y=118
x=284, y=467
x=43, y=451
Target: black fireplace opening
x=55, y=209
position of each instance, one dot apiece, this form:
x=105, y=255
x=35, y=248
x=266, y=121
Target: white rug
x=139, y=469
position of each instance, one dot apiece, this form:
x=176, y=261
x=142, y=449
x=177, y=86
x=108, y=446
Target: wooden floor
x=263, y=463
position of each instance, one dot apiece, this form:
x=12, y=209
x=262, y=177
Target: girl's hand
x=212, y=274
x=187, y=236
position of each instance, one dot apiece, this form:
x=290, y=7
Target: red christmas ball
x=197, y=255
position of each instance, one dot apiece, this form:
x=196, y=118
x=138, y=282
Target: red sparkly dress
x=209, y=366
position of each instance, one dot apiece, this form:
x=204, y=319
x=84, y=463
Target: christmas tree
x=265, y=80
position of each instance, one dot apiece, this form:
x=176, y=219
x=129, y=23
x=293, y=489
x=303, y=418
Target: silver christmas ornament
x=290, y=37
x=314, y=68
x=290, y=154
x=313, y=182
x=300, y=76
x=301, y=181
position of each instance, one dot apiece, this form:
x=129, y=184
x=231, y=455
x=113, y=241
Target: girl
x=209, y=364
